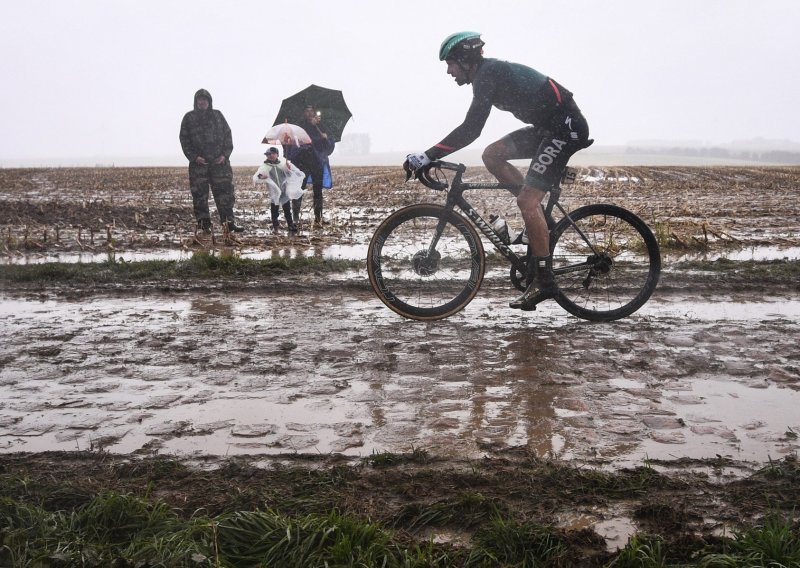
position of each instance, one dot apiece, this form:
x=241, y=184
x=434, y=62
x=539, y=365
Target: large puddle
x=343, y=252
x=255, y=373
x=357, y=251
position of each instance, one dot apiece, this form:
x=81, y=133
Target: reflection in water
x=349, y=252
x=286, y=252
x=532, y=359
x=333, y=370
x=513, y=396
x=744, y=253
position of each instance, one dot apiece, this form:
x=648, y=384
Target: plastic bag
x=294, y=181
x=289, y=176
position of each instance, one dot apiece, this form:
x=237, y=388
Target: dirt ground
x=702, y=384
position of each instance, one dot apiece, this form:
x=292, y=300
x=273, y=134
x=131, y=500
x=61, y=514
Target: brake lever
x=408, y=170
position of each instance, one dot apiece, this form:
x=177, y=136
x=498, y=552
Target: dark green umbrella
x=330, y=103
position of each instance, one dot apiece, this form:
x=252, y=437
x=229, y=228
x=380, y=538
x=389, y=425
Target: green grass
x=642, y=551
x=469, y=509
x=775, y=543
x=507, y=543
x=385, y=459
x=115, y=529
x=199, y=266
x=122, y=530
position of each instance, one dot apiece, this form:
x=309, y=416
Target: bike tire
x=415, y=283
x=618, y=280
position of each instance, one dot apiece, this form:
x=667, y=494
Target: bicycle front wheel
x=606, y=262
x=426, y=262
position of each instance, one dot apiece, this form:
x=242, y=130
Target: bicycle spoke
x=418, y=282
x=614, y=276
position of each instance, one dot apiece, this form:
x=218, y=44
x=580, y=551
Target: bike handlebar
x=424, y=174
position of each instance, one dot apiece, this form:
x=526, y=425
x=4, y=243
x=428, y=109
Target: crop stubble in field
x=46, y=211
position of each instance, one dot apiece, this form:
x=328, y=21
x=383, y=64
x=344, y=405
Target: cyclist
x=556, y=130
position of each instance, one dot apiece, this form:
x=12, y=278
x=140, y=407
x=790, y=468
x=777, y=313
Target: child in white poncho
x=283, y=181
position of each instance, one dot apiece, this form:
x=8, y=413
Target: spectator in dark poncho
x=207, y=143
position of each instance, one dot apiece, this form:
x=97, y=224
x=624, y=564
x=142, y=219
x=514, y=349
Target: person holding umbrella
x=312, y=159
x=310, y=108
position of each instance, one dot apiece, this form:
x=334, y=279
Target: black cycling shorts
x=550, y=147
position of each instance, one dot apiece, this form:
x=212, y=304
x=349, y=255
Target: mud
x=704, y=372
x=328, y=369
x=334, y=372
x=84, y=214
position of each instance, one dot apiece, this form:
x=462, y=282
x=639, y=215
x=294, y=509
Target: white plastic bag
x=290, y=179
x=293, y=182
x=262, y=175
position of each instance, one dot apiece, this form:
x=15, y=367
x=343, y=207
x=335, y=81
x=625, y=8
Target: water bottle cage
x=502, y=229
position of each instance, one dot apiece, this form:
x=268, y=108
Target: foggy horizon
x=93, y=81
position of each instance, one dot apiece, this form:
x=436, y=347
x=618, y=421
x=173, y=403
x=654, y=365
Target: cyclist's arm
x=491, y=77
x=466, y=133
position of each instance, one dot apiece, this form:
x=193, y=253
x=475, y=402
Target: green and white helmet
x=464, y=47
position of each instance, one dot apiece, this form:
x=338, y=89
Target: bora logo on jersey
x=548, y=156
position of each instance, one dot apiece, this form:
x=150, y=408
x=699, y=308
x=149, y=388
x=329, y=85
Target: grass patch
x=124, y=530
x=642, y=551
x=466, y=510
x=199, y=266
x=158, y=512
x=507, y=543
x=775, y=543
x=388, y=459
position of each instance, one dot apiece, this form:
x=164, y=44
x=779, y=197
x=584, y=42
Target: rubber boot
x=287, y=214
x=296, y=204
x=318, y=206
x=317, y=212
x=229, y=225
x=225, y=218
x=274, y=212
x=204, y=225
x=541, y=284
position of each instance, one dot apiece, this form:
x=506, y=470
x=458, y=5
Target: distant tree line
x=766, y=156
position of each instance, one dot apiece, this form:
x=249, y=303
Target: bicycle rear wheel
x=422, y=276
x=606, y=262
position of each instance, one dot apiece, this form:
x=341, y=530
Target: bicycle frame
x=606, y=259
x=455, y=198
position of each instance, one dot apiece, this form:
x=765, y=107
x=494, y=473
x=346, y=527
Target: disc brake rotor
x=426, y=264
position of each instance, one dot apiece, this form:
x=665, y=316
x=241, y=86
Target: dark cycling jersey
x=526, y=93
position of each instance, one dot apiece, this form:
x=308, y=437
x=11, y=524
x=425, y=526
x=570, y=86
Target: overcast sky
x=100, y=78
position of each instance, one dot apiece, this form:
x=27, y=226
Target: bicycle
x=427, y=261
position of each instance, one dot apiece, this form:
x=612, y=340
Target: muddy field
x=83, y=212
x=703, y=383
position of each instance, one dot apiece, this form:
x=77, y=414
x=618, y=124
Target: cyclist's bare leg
x=540, y=277
x=529, y=201
x=496, y=157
